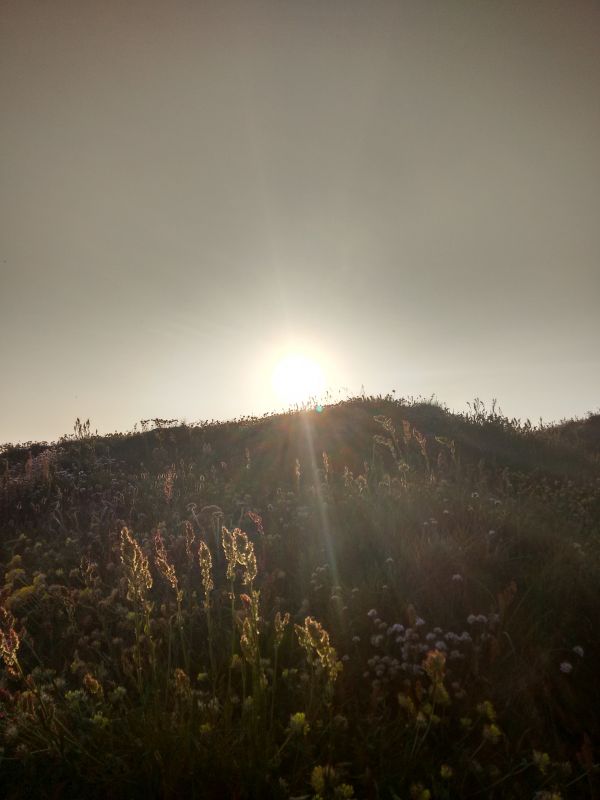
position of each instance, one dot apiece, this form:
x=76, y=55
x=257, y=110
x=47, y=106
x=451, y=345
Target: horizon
x=212, y=210
x=141, y=426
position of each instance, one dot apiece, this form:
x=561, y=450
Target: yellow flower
x=491, y=733
x=486, y=709
x=317, y=780
x=322, y=777
x=419, y=792
x=541, y=760
x=298, y=723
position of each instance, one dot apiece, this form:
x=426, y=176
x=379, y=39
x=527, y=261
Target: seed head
x=280, y=626
x=9, y=642
x=314, y=639
x=163, y=565
x=205, y=559
x=139, y=579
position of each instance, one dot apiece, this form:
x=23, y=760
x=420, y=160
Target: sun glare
x=297, y=378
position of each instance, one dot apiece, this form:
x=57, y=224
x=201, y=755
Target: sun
x=297, y=378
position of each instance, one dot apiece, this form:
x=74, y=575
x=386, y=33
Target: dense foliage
x=378, y=599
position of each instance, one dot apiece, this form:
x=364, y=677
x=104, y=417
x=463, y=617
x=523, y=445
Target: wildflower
x=91, y=684
x=566, y=667
x=541, y=761
x=486, y=709
x=182, y=683
x=579, y=651
x=434, y=665
x=317, y=778
x=118, y=694
x=74, y=697
x=298, y=723
x=406, y=702
x=11, y=732
x=446, y=772
x=372, y=613
x=457, y=578
x=419, y=792
x=491, y=733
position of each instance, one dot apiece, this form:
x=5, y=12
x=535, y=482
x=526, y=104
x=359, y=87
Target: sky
x=405, y=193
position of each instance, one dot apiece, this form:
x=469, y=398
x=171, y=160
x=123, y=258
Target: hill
x=376, y=599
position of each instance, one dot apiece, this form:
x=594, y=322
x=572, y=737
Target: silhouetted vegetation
x=379, y=599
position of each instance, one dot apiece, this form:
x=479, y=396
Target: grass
x=382, y=600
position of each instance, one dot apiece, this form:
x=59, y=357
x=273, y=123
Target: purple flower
x=566, y=667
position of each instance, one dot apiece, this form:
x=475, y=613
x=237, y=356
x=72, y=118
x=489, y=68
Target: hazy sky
x=408, y=190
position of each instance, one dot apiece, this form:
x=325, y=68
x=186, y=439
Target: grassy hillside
x=378, y=600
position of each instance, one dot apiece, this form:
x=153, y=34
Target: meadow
x=376, y=599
